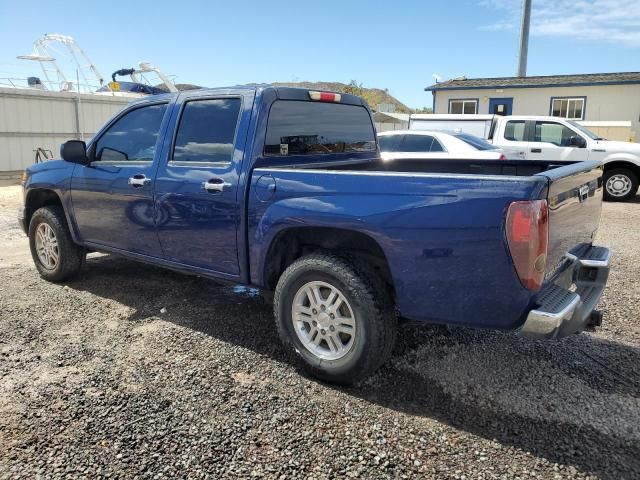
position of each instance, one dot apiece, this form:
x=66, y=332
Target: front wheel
x=620, y=184
x=54, y=253
x=334, y=316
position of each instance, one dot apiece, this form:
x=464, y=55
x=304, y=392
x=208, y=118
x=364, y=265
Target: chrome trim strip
x=505, y=178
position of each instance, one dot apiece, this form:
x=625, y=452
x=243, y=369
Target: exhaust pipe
x=595, y=319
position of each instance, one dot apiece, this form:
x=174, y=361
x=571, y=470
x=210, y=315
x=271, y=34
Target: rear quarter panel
x=443, y=235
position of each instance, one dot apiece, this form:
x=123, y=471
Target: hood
x=49, y=165
x=616, y=146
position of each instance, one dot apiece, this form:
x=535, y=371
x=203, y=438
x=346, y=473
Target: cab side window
x=133, y=137
x=417, y=143
x=551, y=132
x=514, y=131
x=436, y=146
x=207, y=131
x=389, y=143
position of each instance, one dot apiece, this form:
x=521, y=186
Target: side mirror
x=74, y=151
x=577, y=141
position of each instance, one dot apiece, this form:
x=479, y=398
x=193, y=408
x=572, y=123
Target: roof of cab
x=282, y=93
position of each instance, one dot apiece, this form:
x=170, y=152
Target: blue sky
x=394, y=44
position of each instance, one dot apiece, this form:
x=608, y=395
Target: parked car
x=550, y=138
x=283, y=189
x=426, y=144
x=478, y=125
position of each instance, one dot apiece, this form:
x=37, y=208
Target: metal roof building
x=590, y=97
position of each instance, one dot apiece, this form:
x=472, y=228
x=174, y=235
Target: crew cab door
x=112, y=196
x=513, y=139
x=551, y=140
x=197, y=193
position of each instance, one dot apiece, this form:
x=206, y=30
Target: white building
x=33, y=119
x=601, y=97
x=386, y=121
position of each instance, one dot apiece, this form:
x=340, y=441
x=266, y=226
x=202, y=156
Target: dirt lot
x=96, y=382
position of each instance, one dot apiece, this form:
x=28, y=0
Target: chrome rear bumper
x=565, y=307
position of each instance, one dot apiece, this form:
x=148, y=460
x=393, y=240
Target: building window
x=468, y=107
x=570, y=108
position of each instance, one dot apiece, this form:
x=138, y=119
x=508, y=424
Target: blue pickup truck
x=283, y=189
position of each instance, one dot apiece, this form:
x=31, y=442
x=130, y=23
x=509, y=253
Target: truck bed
x=440, y=224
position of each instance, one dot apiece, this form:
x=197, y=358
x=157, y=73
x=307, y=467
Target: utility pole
x=524, y=38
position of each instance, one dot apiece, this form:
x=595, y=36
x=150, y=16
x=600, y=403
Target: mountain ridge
x=373, y=96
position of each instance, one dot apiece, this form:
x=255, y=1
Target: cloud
x=205, y=148
x=613, y=21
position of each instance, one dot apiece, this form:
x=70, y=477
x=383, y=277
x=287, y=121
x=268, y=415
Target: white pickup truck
x=550, y=138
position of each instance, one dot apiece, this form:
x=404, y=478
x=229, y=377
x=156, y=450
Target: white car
x=426, y=144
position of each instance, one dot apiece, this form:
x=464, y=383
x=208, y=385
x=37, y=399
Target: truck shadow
x=635, y=199
x=572, y=402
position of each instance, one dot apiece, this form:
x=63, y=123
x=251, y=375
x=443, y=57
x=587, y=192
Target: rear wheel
x=334, y=316
x=620, y=184
x=54, y=253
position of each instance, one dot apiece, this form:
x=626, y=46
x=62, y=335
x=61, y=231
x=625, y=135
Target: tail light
x=502, y=157
x=527, y=230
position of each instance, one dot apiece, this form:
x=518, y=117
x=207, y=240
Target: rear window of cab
x=314, y=128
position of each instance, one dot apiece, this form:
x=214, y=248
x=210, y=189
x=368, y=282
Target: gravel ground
x=97, y=382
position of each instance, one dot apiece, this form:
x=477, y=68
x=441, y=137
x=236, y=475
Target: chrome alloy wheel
x=323, y=320
x=618, y=185
x=47, y=246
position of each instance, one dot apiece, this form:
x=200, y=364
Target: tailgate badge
x=583, y=193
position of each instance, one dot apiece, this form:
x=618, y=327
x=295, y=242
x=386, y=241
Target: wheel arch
x=292, y=243
x=622, y=163
x=38, y=198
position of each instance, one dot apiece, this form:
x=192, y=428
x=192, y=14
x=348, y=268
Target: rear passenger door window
x=206, y=131
x=436, y=146
x=417, y=143
x=390, y=143
x=514, y=131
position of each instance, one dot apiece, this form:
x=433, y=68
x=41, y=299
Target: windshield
x=584, y=130
x=476, y=142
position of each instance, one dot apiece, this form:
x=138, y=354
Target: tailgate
x=575, y=201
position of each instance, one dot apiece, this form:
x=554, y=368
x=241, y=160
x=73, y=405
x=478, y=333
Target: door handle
x=536, y=150
x=215, y=185
x=139, y=180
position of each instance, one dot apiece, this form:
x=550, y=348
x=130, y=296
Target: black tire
x=70, y=255
x=374, y=316
x=631, y=176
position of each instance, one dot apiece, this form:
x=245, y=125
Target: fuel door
x=265, y=188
